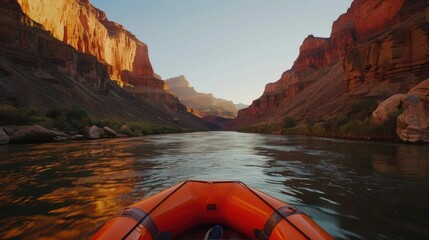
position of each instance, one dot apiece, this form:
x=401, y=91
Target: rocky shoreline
x=37, y=134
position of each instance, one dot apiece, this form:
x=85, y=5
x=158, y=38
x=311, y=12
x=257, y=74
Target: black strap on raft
x=145, y=219
x=138, y=214
x=278, y=215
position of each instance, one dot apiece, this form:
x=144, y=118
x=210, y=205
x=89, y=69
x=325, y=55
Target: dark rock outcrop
x=32, y=134
x=4, y=139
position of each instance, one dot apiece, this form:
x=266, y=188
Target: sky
x=231, y=48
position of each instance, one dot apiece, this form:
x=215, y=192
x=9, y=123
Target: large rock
x=413, y=123
x=387, y=107
x=32, y=134
x=125, y=129
x=93, y=132
x=4, y=139
x=421, y=90
x=110, y=132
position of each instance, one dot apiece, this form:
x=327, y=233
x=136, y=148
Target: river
x=354, y=190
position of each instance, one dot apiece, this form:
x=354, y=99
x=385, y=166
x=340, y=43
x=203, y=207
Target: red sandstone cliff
x=39, y=72
x=87, y=29
x=376, y=49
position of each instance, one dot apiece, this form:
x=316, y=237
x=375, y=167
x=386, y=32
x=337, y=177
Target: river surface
x=354, y=190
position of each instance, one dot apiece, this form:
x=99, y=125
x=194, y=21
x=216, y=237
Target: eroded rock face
x=42, y=72
x=204, y=104
x=376, y=49
x=388, y=107
x=413, y=123
x=87, y=29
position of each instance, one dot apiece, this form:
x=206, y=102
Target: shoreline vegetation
x=63, y=123
x=358, y=125
x=338, y=127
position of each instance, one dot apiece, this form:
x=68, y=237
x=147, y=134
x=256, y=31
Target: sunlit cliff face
x=87, y=29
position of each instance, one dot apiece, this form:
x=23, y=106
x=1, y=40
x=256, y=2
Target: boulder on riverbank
x=32, y=134
x=413, y=123
x=125, y=129
x=109, y=132
x=93, y=133
x=4, y=139
x=388, y=107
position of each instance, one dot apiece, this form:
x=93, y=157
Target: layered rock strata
x=87, y=29
x=40, y=72
x=376, y=49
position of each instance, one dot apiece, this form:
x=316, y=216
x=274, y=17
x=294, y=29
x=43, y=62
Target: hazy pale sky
x=231, y=48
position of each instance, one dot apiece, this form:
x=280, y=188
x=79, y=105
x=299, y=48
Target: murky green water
x=355, y=190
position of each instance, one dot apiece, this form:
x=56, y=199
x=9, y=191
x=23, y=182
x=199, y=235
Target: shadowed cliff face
x=40, y=72
x=377, y=49
x=204, y=103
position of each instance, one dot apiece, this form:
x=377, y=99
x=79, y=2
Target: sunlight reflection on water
x=354, y=190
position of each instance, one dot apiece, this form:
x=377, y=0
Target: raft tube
x=188, y=209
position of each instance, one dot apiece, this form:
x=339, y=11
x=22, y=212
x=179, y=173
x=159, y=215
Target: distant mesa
x=240, y=106
x=204, y=104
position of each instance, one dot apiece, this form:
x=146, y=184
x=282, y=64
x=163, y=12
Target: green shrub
x=143, y=128
x=10, y=115
x=112, y=122
x=289, y=122
x=69, y=117
x=334, y=123
x=318, y=129
x=364, y=108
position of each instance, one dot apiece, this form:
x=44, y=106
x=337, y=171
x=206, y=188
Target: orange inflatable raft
x=210, y=210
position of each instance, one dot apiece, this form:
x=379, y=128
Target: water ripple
x=354, y=190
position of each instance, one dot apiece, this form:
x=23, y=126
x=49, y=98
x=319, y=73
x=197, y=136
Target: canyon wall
x=203, y=103
x=87, y=29
x=376, y=49
x=40, y=72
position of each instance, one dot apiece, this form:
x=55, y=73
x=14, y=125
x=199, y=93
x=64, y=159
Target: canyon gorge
x=371, y=71
x=204, y=103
